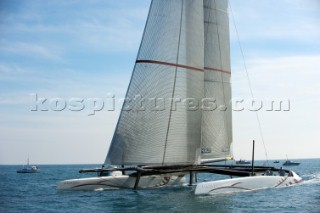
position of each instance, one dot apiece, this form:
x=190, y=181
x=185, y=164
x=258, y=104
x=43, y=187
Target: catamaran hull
x=246, y=184
x=120, y=182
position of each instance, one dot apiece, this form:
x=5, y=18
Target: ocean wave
x=311, y=178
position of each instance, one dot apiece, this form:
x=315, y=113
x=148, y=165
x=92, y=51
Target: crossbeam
x=233, y=170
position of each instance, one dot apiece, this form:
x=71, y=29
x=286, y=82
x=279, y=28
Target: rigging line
x=249, y=82
x=174, y=86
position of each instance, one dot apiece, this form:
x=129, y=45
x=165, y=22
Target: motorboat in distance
x=290, y=163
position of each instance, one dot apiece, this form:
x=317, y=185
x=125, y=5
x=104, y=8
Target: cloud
x=17, y=83
x=85, y=27
x=56, y=134
x=31, y=50
x=12, y=69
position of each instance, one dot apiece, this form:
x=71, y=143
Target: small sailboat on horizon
x=28, y=169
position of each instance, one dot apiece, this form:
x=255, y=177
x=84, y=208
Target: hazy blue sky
x=86, y=49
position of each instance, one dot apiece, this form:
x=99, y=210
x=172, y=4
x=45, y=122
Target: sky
x=71, y=50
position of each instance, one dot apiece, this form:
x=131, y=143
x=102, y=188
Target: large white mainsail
x=184, y=54
x=169, y=66
x=217, y=124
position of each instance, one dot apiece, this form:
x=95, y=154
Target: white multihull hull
x=120, y=182
x=245, y=184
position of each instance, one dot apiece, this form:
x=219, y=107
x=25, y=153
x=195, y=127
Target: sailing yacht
x=28, y=169
x=176, y=118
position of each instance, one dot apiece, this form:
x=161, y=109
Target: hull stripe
x=233, y=186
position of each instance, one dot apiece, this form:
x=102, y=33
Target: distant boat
x=28, y=169
x=276, y=161
x=243, y=162
x=290, y=163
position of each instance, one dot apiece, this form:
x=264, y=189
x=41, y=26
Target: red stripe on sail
x=217, y=70
x=169, y=64
x=182, y=66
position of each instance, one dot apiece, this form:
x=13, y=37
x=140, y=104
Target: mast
x=252, y=165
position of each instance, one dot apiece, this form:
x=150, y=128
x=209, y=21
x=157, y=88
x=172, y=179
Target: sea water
x=37, y=193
